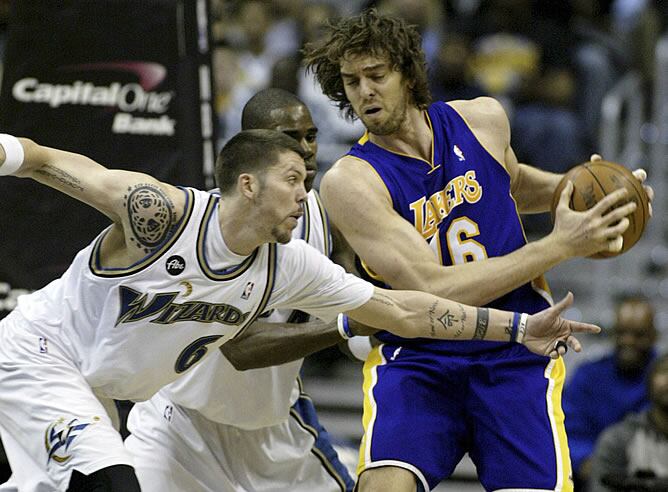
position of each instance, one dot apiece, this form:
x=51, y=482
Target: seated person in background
x=633, y=454
x=602, y=392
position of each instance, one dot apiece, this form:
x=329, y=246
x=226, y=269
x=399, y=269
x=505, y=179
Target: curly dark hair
x=369, y=33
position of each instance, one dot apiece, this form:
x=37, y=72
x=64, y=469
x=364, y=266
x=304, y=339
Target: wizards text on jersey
x=136, y=306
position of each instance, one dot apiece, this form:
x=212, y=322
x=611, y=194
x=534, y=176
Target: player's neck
x=237, y=228
x=413, y=138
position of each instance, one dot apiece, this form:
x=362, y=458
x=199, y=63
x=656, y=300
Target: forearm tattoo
x=151, y=215
x=52, y=173
x=383, y=299
x=481, y=324
x=448, y=321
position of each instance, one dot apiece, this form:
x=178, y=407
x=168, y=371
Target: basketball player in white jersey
x=177, y=274
x=220, y=429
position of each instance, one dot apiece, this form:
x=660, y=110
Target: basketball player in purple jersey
x=429, y=198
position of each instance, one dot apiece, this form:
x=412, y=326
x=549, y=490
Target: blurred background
x=158, y=86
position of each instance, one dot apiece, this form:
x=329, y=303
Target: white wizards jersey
x=133, y=330
x=258, y=397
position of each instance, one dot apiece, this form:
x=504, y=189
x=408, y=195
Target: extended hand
x=546, y=328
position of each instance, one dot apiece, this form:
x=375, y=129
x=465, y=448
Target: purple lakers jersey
x=460, y=203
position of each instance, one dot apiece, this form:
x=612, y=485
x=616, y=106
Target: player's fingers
x=615, y=245
x=561, y=347
x=640, y=175
x=650, y=209
x=580, y=327
x=620, y=212
x=566, y=195
x=574, y=343
x=609, y=201
x=650, y=192
x=565, y=303
x=596, y=157
x=619, y=228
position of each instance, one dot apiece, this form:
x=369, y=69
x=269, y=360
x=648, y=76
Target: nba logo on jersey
x=458, y=152
x=43, y=348
x=248, y=290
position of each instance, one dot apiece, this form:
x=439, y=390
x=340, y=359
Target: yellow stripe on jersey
x=97, y=269
x=326, y=232
x=230, y=274
x=374, y=360
x=555, y=373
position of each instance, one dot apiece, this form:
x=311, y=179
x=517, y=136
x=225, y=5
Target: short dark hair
x=257, y=111
x=251, y=151
x=369, y=33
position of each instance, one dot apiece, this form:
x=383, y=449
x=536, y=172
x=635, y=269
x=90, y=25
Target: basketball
x=595, y=179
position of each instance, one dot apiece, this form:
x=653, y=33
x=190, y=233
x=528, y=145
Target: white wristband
x=522, y=328
x=13, y=154
x=341, y=324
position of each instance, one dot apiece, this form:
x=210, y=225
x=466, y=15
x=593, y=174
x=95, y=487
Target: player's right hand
x=547, y=327
x=588, y=232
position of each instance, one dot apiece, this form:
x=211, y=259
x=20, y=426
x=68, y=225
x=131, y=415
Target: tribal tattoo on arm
x=151, y=213
x=57, y=175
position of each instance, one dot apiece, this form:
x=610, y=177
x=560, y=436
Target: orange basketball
x=595, y=179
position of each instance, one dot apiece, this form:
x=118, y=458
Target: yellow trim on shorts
x=374, y=360
x=555, y=372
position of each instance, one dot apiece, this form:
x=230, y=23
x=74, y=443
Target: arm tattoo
x=509, y=329
x=151, y=215
x=383, y=299
x=481, y=324
x=449, y=321
x=57, y=175
x=432, y=324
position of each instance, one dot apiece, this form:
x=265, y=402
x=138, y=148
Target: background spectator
x=633, y=454
x=602, y=392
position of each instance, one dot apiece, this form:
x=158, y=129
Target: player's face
x=634, y=335
x=281, y=196
x=296, y=122
x=377, y=93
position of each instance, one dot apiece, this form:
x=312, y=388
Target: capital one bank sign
x=138, y=109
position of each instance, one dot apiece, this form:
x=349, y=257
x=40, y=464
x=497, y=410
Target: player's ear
x=248, y=185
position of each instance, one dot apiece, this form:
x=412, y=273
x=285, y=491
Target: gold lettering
x=473, y=190
x=418, y=214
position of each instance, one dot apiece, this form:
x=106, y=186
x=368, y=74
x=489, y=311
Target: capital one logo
x=127, y=98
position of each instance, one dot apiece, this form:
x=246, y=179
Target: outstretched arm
x=127, y=198
x=265, y=344
x=412, y=314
